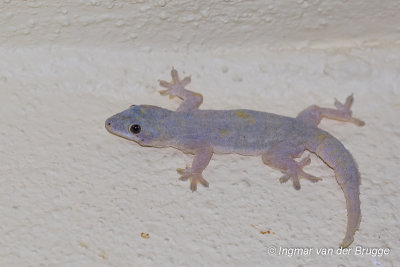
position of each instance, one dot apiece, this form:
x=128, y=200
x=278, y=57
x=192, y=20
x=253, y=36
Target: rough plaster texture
x=71, y=194
x=187, y=25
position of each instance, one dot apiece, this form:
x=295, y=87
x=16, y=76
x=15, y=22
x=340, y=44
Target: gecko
x=279, y=140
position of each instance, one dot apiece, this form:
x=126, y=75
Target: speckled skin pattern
x=277, y=139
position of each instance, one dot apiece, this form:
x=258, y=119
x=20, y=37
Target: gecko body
x=277, y=139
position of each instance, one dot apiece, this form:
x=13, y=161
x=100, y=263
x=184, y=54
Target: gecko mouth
x=109, y=128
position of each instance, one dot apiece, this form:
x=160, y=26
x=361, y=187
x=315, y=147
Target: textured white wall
x=71, y=194
x=187, y=25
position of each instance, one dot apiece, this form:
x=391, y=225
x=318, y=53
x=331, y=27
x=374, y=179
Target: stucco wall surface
x=187, y=25
x=71, y=194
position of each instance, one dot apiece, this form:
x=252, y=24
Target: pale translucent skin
x=277, y=139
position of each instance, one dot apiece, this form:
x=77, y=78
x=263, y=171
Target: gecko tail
x=353, y=213
x=333, y=153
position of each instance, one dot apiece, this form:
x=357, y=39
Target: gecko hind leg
x=314, y=114
x=176, y=88
x=281, y=158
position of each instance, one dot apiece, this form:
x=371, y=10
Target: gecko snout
x=108, y=124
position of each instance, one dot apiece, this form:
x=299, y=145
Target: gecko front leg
x=281, y=157
x=191, y=100
x=202, y=157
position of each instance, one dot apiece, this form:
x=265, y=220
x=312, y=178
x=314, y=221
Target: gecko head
x=143, y=124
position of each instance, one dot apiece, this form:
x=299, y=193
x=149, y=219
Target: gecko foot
x=195, y=178
x=345, y=110
x=296, y=172
x=176, y=87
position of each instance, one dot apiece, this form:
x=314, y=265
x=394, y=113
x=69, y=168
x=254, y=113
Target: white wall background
x=71, y=194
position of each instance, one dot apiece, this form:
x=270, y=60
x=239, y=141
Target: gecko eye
x=135, y=128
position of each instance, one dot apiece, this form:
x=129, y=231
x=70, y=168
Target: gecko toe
x=174, y=75
x=349, y=101
x=193, y=186
x=197, y=179
x=184, y=174
x=203, y=182
x=293, y=177
x=164, y=92
x=309, y=177
x=165, y=84
x=304, y=162
x=184, y=178
x=180, y=171
x=284, y=178
x=357, y=122
x=296, y=184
